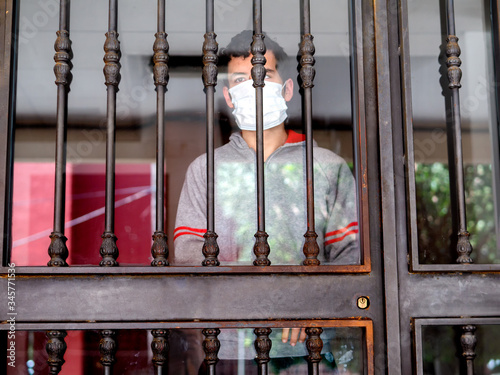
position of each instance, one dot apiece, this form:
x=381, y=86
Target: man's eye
x=239, y=80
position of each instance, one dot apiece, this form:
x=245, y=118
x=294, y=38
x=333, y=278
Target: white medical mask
x=243, y=99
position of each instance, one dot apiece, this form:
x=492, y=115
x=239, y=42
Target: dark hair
x=240, y=45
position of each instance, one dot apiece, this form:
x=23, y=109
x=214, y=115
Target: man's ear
x=288, y=94
x=225, y=91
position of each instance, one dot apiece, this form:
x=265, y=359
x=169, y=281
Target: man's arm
x=191, y=220
x=341, y=235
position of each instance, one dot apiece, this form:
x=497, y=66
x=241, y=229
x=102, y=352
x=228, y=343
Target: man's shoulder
x=322, y=154
x=201, y=160
x=330, y=164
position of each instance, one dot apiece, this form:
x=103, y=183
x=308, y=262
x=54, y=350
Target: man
x=285, y=183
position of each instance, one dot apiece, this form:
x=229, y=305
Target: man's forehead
x=241, y=64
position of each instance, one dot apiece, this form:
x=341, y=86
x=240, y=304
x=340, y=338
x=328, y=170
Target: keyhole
x=363, y=302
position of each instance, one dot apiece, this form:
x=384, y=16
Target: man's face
x=239, y=69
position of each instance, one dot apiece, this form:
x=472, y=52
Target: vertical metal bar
x=261, y=248
x=107, y=349
x=406, y=96
x=55, y=347
x=468, y=341
x=263, y=346
x=404, y=192
x=58, y=251
x=160, y=348
x=314, y=345
x=307, y=73
x=366, y=31
x=9, y=18
x=159, y=249
x=109, y=250
x=387, y=188
x=359, y=124
x=464, y=248
x=418, y=348
x=495, y=128
x=210, y=47
x=211, y=346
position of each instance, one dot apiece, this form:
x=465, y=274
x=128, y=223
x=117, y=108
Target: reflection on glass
x=185, y=125
x=442, y=350
x=33, y=200
x=437, y=226
x=236, y=209
x=342, y=353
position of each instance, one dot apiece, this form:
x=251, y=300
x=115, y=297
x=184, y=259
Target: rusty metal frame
x=229, y=324
x=188, y=270
x=357, y=21
x=53, y=299
x=419, y=323
x=365, y=324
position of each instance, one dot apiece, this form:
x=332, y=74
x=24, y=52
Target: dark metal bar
x=161, y=16
x=263, y=346
x=460, y=267
x=210, y=47
x=453, y=62
x=495, y=128
x=384, y=74
x=365, y=324
x=468, y=341
x=261, y=248
x=419, y=351
x=107, y=349
x=160, y=348
x=403, y=159
x=307, y=73
x=58, y=251
x=407, y=114
x=359, y=131
x=211, y=346
x=314, y=344
x=366, y=60
x=159, y=249
x=55, y=347
x=109, y=250
x=9, y=18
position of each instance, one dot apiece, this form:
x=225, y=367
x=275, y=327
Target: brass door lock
x=363, y=302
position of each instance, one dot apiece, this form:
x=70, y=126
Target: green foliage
x=442, y=352
x=436, y=239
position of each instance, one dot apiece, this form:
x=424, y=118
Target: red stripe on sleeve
x=342, y=230
x=329, y=242
x=199, y=230
x=183, y=233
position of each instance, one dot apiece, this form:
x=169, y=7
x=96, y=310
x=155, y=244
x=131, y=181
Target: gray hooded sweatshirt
x=285, y=205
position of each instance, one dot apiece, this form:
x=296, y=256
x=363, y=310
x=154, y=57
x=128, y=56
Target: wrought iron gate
x=387, y=301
